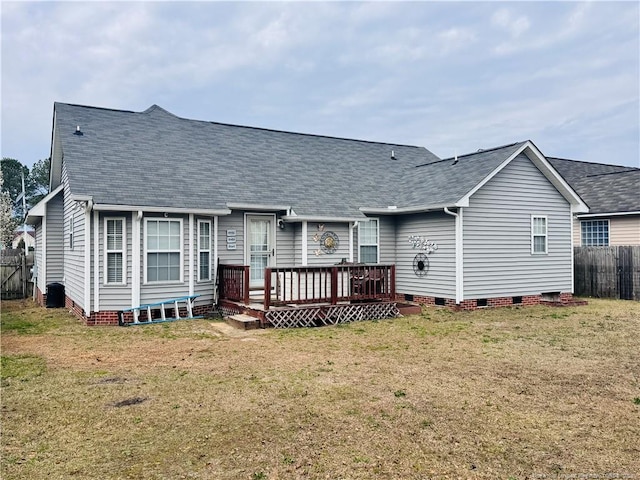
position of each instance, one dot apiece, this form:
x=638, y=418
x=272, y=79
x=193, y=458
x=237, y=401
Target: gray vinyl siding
x=73, y=270
x=55, y=240
x=497, y=236
x=235, y=221
x=115, y=297
x=440, y=280
x=286, y=246
x=341, y=230
x=387, y=240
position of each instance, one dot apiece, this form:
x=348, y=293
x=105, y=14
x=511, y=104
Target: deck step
x=243, y=321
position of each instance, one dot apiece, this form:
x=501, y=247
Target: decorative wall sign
x=329, y=242
x=423, y=244
x=420, y=265
x=420, y=261
x=231, y=239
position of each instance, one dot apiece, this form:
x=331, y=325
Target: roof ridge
x=591, y=163
x=275, y=130
x=95, y=108
x=633, y=170
x=481, y=150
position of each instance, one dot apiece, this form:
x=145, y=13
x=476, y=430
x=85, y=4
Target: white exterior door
x=260, y=244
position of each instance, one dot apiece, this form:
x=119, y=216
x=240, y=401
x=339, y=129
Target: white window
x=204, y=250
x=594, y=233
x=115, y=243
x=538, y=234
x=72, y=222
x=163, y=250
x=368, y=241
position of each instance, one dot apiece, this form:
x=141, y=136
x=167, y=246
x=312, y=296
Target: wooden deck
x=310, y=296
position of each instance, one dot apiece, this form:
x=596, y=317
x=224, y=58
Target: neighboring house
x=145, y=205
x=28, y=238
x=612, y=193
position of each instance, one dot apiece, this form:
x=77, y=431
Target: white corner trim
x=87, y=262
x=459, y=252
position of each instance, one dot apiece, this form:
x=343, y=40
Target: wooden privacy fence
x=15, y=273
x=607, y=272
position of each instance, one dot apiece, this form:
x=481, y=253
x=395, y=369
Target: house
x=25, y=236
x=612, y=193
x=144, y=206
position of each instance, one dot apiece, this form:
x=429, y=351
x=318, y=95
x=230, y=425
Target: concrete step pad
x=243, y=322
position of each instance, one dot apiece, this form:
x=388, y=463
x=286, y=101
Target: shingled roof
x=605, y=188
x=156, y=159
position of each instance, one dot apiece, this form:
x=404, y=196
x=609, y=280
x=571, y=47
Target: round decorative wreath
x=420, y=265
x=329, y=242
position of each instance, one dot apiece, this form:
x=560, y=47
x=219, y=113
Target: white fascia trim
x=612, y=214
x=38, y=209
x=465, y=200
x=105, y=207
x=314, y=218
x=258, y=207
x=539, y=160
x=405, y=210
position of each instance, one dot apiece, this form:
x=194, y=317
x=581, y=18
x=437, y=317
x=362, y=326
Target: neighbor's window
x=538, y=234
x=368, y=241
x=594, y=233
x=163, y=243
x=114, y=248
x=72, y=222
x=204, y=250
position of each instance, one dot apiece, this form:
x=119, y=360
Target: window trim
x=123, y=251
x=147, y=251
x=608, y=223
x=545, y=235
x=201, y=250
x=377, y=244
x=72, y=224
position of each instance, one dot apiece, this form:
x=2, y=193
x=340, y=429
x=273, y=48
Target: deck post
x=267, y=288
x=392, y=290
x=245, y=282
x=334, y=285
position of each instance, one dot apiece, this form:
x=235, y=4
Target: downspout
x=87, y=258
x=215, y=260
x=352, y=226
x=96, y=261
x=304, y=243
x=136, y=218
x=459, y=253
x=191, y=255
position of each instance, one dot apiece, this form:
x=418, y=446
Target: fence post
x=393, y=283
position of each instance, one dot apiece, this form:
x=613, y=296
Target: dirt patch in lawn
x=516, y=393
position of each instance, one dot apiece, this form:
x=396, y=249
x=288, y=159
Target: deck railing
x=329, y=284
x=312, y=284
x=234, y=283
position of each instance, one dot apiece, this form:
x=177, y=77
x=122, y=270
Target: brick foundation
x=110, y=317
x=563, y=299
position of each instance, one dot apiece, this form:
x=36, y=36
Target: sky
x=453, y=77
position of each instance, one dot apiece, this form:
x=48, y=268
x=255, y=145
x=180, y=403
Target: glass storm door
x=260, y=247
